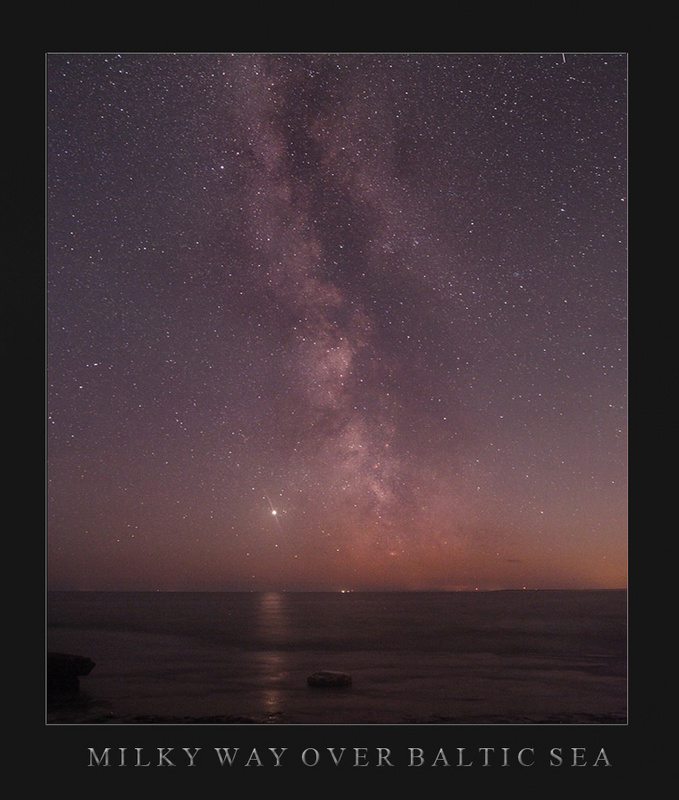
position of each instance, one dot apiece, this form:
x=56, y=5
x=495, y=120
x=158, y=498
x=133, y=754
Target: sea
x=494, y=657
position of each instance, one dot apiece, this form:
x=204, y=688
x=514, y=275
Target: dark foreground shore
x=283, y=719
x=80, y=710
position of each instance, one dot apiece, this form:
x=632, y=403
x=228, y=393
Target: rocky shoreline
x=72, y=717
x=67, y=705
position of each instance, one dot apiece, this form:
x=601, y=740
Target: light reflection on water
x=273, y=623
x=273, y=617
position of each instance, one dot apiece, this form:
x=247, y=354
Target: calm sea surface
x=448, y=657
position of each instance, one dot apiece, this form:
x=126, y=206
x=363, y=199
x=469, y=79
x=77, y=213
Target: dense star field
x=336, y=321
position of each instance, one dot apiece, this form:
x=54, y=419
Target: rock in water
x=63, y=671
x=328, y=678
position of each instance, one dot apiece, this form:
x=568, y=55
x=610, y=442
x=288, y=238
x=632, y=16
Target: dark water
x=520, y=656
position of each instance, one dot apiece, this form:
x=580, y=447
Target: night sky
x=336, y=321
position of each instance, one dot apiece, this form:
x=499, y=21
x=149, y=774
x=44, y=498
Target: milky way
x=322, y=321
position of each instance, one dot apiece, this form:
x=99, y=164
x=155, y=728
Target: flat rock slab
x=329, y=678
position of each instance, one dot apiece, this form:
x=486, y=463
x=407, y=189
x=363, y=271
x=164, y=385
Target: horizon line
x=353, y=591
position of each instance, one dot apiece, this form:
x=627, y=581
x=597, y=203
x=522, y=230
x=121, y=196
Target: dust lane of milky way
x=322, y=321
